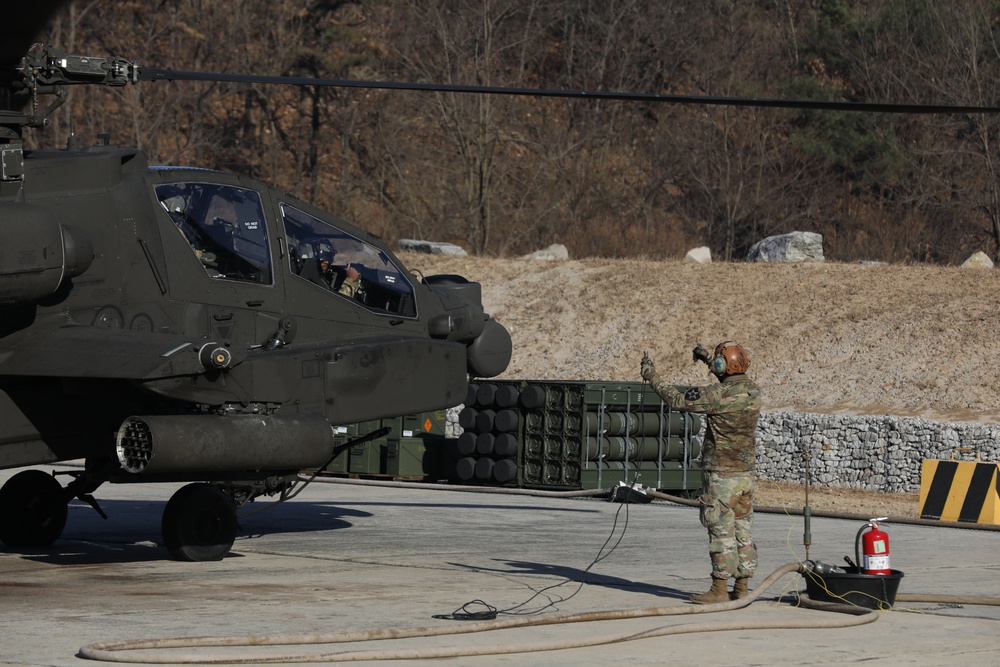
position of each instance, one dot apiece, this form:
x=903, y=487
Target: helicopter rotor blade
x=160, y=74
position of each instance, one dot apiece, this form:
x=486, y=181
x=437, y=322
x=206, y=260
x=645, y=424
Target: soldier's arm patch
x=692, y=394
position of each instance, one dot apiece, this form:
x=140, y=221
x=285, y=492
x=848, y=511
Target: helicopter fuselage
x=130, y=290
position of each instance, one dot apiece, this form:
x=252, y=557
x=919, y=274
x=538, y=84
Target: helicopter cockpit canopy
x=322, y=254
x=224, y=225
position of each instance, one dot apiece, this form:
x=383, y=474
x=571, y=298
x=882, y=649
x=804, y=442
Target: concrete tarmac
x=341, y=557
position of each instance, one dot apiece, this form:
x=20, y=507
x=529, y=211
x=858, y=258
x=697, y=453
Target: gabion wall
x=878, y=453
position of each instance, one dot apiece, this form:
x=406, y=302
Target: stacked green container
x=487, y=450
x=411, y=449
x=575, y=435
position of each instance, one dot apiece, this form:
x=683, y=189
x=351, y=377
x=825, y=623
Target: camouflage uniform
x=731, y=409
x=350, y=287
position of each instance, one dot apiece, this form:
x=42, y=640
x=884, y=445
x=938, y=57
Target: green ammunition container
x=366, y=458
x=411, y=457
x=573, y=435
x=540, y=434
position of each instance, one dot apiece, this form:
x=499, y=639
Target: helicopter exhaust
x=37, y=253
x=212, y=443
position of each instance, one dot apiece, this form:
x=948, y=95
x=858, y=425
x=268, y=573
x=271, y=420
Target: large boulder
x=792, y=247
x=556, y=251
x=978, y=260
x=431, y=247
x=702, y=255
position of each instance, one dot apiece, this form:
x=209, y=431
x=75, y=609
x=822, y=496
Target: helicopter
x=178, y=324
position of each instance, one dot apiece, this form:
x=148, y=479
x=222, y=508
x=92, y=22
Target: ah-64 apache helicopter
x=179, y=324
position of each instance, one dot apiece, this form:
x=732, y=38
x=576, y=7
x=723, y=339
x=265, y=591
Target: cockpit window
x=344, y=264
x=224, y=225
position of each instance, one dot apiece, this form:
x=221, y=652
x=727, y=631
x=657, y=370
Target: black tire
x=32, y=510
x=199, y=523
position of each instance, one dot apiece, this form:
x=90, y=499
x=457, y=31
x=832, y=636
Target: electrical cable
x=301, y=481
x=464, y=613
x=601, y=555
x=467, y=613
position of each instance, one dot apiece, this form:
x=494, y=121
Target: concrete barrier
x=966, y=491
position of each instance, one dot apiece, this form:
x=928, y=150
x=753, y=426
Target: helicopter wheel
x=33, y=510
x=199, y=523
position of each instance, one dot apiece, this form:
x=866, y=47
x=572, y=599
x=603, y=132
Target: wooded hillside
x=506, y=175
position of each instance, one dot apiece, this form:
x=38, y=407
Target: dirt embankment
x=829, y=338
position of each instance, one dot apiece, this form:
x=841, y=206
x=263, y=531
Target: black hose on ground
x=836, y=515
x=499, y=490
x=598, y=493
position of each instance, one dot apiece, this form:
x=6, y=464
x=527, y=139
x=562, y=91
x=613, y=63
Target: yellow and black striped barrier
x=966, y=491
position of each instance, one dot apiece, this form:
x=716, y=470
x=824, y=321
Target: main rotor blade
x=159, y=74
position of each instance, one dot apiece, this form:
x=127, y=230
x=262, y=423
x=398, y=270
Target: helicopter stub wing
x=94, y=352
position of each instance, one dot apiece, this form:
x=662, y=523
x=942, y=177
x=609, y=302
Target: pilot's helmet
x=172, y=198
x=324, y=251
x=305, y=251
x=222, y=212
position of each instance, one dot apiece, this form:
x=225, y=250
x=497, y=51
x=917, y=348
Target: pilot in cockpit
x=316, y=265
x=176, y=202
x=352, y=280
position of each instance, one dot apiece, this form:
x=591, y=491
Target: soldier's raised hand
x=700, y=353
x=646, y=367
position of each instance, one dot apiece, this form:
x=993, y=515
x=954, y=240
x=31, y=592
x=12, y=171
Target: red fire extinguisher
x=875, y=549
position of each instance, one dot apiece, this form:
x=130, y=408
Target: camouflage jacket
x=349, y=287
x=731, y=409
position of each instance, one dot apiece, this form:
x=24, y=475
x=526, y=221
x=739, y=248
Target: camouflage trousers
x=727, y=512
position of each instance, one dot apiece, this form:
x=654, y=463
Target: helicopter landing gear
x=199, y=523
x=34, y=510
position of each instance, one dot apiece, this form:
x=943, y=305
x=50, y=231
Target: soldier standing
x=731, y=409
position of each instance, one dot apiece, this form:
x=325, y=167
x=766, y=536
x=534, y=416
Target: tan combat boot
x=717, y=593
x=740, y=589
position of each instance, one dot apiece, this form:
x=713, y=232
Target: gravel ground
x=822, y=337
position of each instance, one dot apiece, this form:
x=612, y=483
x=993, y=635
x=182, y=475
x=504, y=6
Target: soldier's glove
x=646, y=368
x=701, y=354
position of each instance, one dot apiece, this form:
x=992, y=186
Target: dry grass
x=792, y=497
x=830, y=338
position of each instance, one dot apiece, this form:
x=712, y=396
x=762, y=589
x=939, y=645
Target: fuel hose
x=193, y=650
x=179, y=650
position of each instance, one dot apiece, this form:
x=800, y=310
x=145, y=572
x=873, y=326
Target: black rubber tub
x=872, y=591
